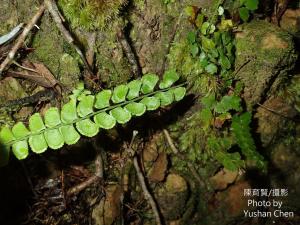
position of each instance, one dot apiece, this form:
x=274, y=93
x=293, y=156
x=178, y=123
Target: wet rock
x=233, y=200
x=223, y=178
x=159, y=168
x=172, y=196
x=286, y=171
x=150, y=152
x=264, y=54
x=290, y=21
x=271, y=124
x=108, y=210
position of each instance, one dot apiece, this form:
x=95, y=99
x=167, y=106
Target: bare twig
x=20, y=41
x=189, y=164
x=142, y=181
x=98, y=176
x=57, y=17
x=135, y=68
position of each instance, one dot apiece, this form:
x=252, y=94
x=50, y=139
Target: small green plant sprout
x=212, y=43
x=247, y=6
x=85, y=114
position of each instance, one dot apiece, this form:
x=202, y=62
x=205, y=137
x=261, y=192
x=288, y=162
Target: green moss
x=48, y=45
x=270, y=54
x=91, y=14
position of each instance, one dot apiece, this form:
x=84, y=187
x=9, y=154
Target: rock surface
x=264, y=54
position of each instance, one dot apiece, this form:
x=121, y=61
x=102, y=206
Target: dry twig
x=189, y=164
x=143, y=184
x=98, y=176
x=20, y=41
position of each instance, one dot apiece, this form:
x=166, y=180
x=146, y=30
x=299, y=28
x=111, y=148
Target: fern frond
x=86, y=114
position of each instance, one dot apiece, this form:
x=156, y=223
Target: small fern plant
x=85, y=114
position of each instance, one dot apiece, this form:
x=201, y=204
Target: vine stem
x=143, y=184
x=20, y=41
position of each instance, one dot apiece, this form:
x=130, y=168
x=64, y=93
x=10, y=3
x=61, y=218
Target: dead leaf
x=38, y=73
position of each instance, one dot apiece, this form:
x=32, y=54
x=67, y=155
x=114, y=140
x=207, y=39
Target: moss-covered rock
x=173, y=193
x=265, y=54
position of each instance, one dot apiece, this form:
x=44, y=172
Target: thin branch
x=21, y=39
x=98, y=176
x=135, y=68
x=57, y=17
x=177, y=153
x=142, y=181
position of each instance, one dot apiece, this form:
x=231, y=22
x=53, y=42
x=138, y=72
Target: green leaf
x=19, y=130
x=207, y=43
x=179, y=93
x=251, y=4
x=212, y=28
x=225, y=63
x=85, y=106
x=191, y=37
x=52, y=117
x=166, y=98
x=69, y=134
x=38, y=143
x=211, y=68
x=102, y=99
x=227, y=103
x=36, y=123
x=152, y=103
x=244, y=14
x=121, y=115
x=204, y=28
x=231, y=161
x=209, y=101
x=206, y=116
x=20, y=149
x=169, y=78
x=5, y=136
x=149, y=81
x=241, y=129
x=105, y=120
x=54, y=138
x=119, y=93
x=87, y=128
x=69, y=112
x=136, y=109
x=134, y=89
x=194, y=50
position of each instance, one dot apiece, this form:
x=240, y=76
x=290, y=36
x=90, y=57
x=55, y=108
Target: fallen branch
x=142, y=181
x=21, y=39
